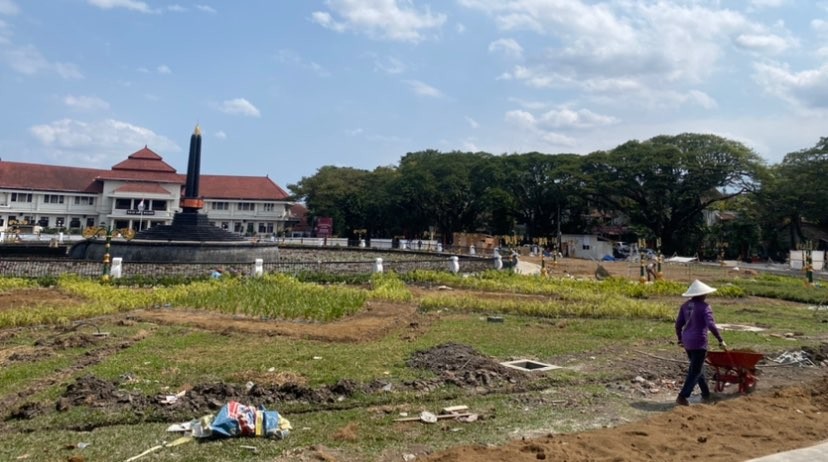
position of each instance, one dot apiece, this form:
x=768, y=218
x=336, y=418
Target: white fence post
x=258, y=268
x=454, y=264
x=378, y=265
x=117, y=267
x=498, y=262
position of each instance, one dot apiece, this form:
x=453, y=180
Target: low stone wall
x=291, y=260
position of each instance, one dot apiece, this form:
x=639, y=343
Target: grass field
x=592, y=329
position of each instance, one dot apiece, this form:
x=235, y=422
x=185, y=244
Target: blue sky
x=284, y=87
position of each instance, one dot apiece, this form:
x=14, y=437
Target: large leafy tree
x=435, y=189
x=794, y=194
x=546, y=189
x=663, y=184
x=337, y=192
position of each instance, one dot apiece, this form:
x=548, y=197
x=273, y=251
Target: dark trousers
x=695, y=374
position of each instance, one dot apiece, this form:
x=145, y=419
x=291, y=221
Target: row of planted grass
x=279, y=296
x=563, y=288
x=275, y=296
x=593, y=306
x=783, y=288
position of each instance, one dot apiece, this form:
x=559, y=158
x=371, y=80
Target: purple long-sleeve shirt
x=695, y=318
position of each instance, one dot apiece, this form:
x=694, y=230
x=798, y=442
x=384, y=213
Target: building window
x=262, y=228
x=269, y=228
x=158, y=205
x=237, y=227
x=269, y=206
x=84, y=200
x=90, y=222
x=248, y=206
x=225, y=225
x=123, y=204
x=21, y=197
x=59, y=222
x=52, y=199
x=44, y=222
x=220, y=205
x=74, y=222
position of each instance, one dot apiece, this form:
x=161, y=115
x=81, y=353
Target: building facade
x=138, y=193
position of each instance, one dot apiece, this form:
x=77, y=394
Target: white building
x=142, y=191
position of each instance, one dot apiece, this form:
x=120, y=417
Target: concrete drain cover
x=530, y=366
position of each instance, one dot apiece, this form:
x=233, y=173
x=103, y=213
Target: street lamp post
x=140, y=215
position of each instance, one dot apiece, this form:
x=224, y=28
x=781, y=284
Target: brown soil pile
x=463, y=366
x=759, y=424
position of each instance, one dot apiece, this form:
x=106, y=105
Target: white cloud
x=354, y=132
x=506, y=46
x=68, y=71
x=423, y=89
x=25, y=60
x=769, y=43
x=395, y=20
x=206, y=9
x=221, y=135
x=389, y=65
x=568, y=118
x=630, y=44
x=239, y=106
x=293, y=58
x=469, y=145
x=133, y=5
x=143, y=70
x=806, y=89
x=87, y=103
x=460, y=28
x=768, y=3
x=95, y=143
x=163, y=69
x=176, y=8
x=472, y=123
x=8, y=7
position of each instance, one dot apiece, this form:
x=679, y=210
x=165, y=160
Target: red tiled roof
x=144, y=160
x=148, y=188
x=138, y=175
x=143, y=167
x=19, y=175
x=240, y=187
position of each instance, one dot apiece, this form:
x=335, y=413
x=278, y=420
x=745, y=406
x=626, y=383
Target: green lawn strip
x=372, y=431
x=16, y=377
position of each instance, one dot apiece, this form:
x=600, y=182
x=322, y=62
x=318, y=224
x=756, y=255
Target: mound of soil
x=69, y=340
x=463, y=366
x=92, y=391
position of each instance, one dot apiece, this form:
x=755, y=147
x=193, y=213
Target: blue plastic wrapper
x=236, y=419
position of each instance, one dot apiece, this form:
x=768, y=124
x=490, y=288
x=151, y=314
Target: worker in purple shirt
x=695, y=318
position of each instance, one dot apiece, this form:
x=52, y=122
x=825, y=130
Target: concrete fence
x=58, y=267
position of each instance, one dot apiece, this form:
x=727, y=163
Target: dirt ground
x=789, y=409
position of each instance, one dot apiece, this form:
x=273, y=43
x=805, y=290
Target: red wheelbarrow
x=734, y=367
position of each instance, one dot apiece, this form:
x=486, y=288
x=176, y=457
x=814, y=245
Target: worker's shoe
x=708, y=399
x=682, y=401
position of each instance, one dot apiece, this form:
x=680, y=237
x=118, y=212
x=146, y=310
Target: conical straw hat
x=698, y=288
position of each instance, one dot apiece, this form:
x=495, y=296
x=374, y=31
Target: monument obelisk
x=189, y=239
x=191, y=202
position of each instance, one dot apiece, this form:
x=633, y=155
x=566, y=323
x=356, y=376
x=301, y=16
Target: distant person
x=695, y=318
x=217, y=273
x=651, y=271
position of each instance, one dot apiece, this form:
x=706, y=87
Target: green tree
x=336, y=192
x=663, y=184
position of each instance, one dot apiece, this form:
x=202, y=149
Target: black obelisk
x=191, y=203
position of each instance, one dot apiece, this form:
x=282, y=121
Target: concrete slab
x=814, y=453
